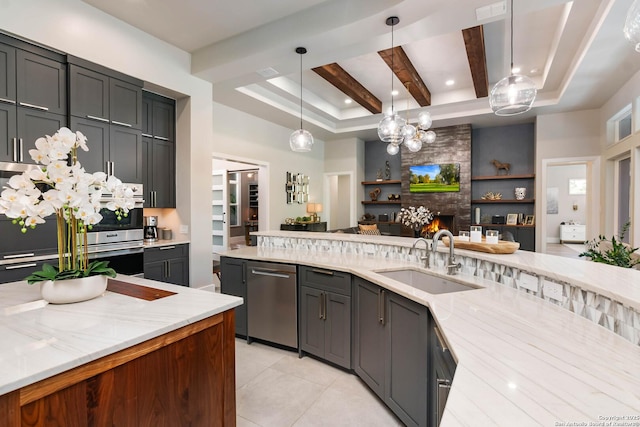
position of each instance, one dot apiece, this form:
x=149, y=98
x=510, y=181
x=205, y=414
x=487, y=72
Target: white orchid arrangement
x=415, y=218
x=62, y=187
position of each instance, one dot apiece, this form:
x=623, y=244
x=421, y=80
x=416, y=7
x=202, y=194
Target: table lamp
x=313, y=209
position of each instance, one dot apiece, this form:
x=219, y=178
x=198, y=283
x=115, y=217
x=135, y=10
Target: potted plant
x=613, y=252
x=61, y=187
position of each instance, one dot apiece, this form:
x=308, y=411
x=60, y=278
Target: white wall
x=558, y=177
x=74, y=27
x=241, y=135
x=347, y=155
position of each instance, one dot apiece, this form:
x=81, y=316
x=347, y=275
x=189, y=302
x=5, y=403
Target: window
x=620, y=125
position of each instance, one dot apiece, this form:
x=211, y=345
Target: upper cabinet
x=98, y=96
x=33, y=97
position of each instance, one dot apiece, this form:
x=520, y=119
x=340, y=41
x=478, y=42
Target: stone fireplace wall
x=452, y=145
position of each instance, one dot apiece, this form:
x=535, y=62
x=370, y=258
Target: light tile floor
x=276, y=388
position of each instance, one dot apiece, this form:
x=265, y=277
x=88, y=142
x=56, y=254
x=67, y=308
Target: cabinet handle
x=21, y=150
x=36, y=107
x=18, y=256
x=121, y=124
x=325, y=307
x=8, y=101
x=100, y=119
x=164, y=248
x=320, y=271
x=320, y=302
x=161, y=138
x=113, y=168
x=15, y=150
x=15, y=267
x=383, y=320
x=155, y=199
x=440, y=339
x=147, y=135
x=168, y=268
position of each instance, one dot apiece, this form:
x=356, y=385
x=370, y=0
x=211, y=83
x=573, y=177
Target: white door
x=219, y=209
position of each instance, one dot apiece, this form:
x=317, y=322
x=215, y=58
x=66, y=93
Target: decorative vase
x=73, y=290
x=521, y=193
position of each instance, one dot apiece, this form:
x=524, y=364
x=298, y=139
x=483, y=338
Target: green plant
x=50, y=272
x=620, y=254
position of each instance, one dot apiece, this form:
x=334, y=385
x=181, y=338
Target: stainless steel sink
x=426, y=282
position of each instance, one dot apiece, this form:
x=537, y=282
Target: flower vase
x=73, y=290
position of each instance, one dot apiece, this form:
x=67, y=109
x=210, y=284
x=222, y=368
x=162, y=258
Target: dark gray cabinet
x=168, y=264
x=18, y=271
x=159, y=149
x=325, y=314
x=443, y=367
x=233, y=281
x=391, y=350
x=33, y=99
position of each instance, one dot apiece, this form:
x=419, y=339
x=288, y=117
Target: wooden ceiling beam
x=474, y=43
x=406, y=72
x=337, y=76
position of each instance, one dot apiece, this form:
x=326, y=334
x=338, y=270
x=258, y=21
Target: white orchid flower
x=81, y=141
x=20, y=182
x=93, y=219
x=32, y=221
x=37, y=174
x=99, y=177
x=70, y=198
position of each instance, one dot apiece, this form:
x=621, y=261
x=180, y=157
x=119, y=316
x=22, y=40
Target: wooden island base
x=184, y=377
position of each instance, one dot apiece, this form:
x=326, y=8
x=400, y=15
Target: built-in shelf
x=494, y=177
x=479, y=201
x=383, y=182
x=487, y=225
x=381, y=202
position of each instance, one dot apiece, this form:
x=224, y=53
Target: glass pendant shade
x=424, y=120
x=632, y=25
x=414, y=144
x=393, y=149
x=429, y=137
x=301, y=140
x=390, y=129
x=513, y=94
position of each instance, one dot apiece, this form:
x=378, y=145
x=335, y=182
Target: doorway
x=340, y=200
x=623, y=194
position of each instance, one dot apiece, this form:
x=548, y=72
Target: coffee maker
x=150, y=224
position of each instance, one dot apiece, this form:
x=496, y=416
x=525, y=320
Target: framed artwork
x=512, y=219
x=434, y=178
x=577, y=186
x=529, y=220
x=552, y=200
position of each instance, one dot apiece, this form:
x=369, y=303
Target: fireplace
x=440, y=222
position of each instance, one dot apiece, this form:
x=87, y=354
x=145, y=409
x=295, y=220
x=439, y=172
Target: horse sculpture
x=501, y=166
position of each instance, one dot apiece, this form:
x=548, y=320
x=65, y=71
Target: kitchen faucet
x=452, y=266
x=422, y=258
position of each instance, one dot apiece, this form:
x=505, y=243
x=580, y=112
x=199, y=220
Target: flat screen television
x=434, y=178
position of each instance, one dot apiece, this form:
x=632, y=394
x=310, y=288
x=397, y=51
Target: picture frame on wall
x=529, y=220
x=512, y=219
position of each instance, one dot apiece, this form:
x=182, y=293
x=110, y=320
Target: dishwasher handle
x=270, y=273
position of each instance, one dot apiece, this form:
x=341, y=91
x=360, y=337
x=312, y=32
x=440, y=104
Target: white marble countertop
x=179, y=240
x=39, y=340
x=521, y=360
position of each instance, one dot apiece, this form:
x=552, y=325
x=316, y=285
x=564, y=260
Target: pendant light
x=301, y=140
x=632, y=25
x=390, y=128
x=515, y=93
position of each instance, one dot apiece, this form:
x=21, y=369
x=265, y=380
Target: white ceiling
x=574, y=50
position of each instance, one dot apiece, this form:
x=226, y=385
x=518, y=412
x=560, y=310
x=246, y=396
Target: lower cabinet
x=233, y=281
x=391, y=349
x=18, y=271
x=168, y=264
x=324, y=301
x=443, y=366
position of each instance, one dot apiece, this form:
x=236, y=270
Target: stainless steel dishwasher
x=271, y=303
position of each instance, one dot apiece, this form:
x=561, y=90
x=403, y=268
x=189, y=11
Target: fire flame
x=434, y=226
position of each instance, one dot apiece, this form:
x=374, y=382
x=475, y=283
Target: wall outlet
x=528, y=281
x=552, y=290
x=184, y=229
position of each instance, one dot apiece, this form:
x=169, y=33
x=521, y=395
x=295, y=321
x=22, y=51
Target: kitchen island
x=522, y=358
x=144, y=353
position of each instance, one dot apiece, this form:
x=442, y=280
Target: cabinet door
x=125, y=104
x=17, y=272
x=233, y=282
x=337, y=329
x=312, y=324
x=369, y=335
x=147, y=121
x=178, y=271
x=38, y=241
x=163, y=120
x=163, y=176
x=33, y=124
x=527, y=238
x=125, y=151
x=147, y=171
x=41, y=83
x=88, y=94
x=7, y=73
x=155, y=270
x=97, y=133
x=407, y=360
x=8, y=133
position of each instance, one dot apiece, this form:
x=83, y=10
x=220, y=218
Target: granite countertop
x=521, y=360
x=40, y=340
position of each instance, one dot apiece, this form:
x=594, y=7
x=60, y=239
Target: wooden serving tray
x=502, y=247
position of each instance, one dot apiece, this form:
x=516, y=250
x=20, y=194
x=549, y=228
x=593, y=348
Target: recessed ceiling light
x=268, y=72
x=449, y=82
x=515, y=70
x=394, y=92
x=348, y=101
x=535, y=70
